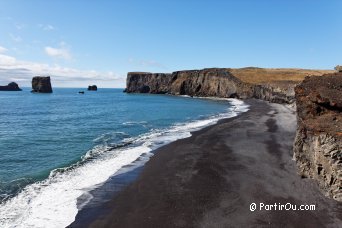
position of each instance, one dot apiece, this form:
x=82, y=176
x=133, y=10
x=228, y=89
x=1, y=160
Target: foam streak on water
x=53, y=202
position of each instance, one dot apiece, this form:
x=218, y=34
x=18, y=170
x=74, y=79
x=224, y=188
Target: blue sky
x=98, y=42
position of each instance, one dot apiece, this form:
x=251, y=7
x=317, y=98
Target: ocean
x=56, y=147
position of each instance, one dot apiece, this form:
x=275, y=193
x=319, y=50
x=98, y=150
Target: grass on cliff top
x=263, y=75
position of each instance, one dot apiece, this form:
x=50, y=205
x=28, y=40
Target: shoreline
x=129, y=173
x=211, y=178
x=73, y=185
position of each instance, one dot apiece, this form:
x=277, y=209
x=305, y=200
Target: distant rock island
x=41, y=84
x=92, y=88
x=10, y=87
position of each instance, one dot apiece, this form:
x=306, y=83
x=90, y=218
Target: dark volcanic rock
x=214, y=82
x=142, y=82
x=41, y=84
x=218, y=82
x=207, y=82
x=318, y=142
x=10, y=87
x=276, y=92
x=92, y=88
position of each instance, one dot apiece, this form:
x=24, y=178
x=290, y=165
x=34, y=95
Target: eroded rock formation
x=92, y=88
x=143, y=82
x=10, y=87
x=276, y=92
x=214, y=82
x=207, y=82
x=41, y=84
x=318, y=142
x=317, y=146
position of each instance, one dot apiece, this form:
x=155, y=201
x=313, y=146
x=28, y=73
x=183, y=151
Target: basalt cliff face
x=213, y=82
x=208, y=83
x=276, y=92
x=41, y=85
x=142, y=82
x=318, y=142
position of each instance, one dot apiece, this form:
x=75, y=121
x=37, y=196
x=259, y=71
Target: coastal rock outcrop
x=92, y=88
x=41, y=84
x=276, y=92
x=10, y=87
x=212, y=82
x=338, y=68
x=144, y=82
x=206, y=82
x=317, y=146
x=318, y=142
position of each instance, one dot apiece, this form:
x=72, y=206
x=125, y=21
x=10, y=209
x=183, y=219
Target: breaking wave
x=53, y=201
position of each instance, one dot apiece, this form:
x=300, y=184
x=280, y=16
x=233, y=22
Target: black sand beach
x=211, y=178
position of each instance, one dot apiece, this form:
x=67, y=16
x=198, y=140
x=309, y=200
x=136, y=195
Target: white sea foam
x=135, y=123
x=104, y=136
x=53, y=202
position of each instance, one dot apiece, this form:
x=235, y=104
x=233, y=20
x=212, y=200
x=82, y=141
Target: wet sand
x=211, y=178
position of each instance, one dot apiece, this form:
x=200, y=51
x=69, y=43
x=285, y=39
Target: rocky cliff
x=317, y=146
x=41, y=84
x=318, y=142
x=206, y=82
x=10, y=87
x=215, y=82
x=209, y=82
x=142, y=82
x=276, y=91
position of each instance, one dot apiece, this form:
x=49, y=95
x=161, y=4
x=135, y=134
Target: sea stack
x=41, y=84
x=318, y=142
x=92, y=88
x=10, y=87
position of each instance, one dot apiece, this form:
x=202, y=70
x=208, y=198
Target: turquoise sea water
x=71, y=142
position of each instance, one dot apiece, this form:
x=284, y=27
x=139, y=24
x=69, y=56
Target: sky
x=83, y=42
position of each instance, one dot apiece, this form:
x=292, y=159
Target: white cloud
x=12, y=69
x=61, y=52
x=15, y=38
x=146, y=63
x=2, y=49
x=46, y=27
x=6, y=60
x=151, y=63
x=49, y=27
x=19, y=26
